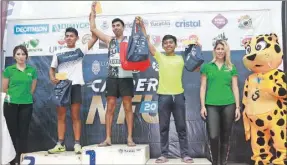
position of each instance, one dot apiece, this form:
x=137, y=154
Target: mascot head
x=263, y=53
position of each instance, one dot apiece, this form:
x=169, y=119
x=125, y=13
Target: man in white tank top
x=119, y=81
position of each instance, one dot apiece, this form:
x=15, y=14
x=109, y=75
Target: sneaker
x=78, y=148
x=57, y=149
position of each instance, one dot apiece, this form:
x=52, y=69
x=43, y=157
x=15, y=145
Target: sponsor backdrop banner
x=44, y=37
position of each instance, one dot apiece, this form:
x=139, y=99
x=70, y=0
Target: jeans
x=174, y=104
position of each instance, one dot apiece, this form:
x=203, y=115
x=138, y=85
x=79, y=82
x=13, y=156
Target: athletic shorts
x=76, y=94
x=119, y=87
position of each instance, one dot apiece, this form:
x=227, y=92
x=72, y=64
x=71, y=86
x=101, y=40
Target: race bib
x=61, y=76
x=114, y=60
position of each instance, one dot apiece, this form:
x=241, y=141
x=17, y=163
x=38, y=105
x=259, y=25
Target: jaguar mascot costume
x=264, y=100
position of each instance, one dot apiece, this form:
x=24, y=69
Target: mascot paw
x=247, y=135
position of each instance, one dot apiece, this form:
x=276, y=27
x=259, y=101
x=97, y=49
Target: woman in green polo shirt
x=19, y=83
x=220, y=102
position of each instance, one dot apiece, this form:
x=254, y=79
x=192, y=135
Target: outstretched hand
x=93, y=8
x=140, y=22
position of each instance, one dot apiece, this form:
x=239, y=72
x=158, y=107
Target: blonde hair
x=227, y=58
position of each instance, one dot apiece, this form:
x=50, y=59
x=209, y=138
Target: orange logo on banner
x=191, y=40
x=98, y=8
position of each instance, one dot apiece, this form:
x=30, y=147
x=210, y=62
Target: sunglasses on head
x=219, y=41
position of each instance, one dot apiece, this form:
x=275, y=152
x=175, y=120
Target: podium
x=94, y=155
x=116, y=154
x=197, y=161
x=43, y=157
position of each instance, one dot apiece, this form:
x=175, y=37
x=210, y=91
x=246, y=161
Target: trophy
x=98, y=7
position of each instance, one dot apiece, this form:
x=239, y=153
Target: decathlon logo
x=31, y=29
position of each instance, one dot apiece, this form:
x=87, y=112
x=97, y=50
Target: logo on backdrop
x=61, y=44
x=155, y=40
x=245, y=22
x=31, y=29
x=61, y=40
x=184, y=41
x=160, y=23
x=32, y=45
x=86, y=38
x=96, y=67
x=219, y=21
x=244, y=39
x=188, y=24
x=105, y=25
x=219, y=37
x=62, y=27
x=192, y=39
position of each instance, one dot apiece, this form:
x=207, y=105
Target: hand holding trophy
x=96, y=8
x=93, y=8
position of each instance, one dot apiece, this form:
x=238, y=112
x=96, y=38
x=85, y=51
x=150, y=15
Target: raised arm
x=152, y=49
x=94, y=38
x=93, y=28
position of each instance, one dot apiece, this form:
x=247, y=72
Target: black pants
x=219, y=126
x=18, y=117
x=174, y=104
